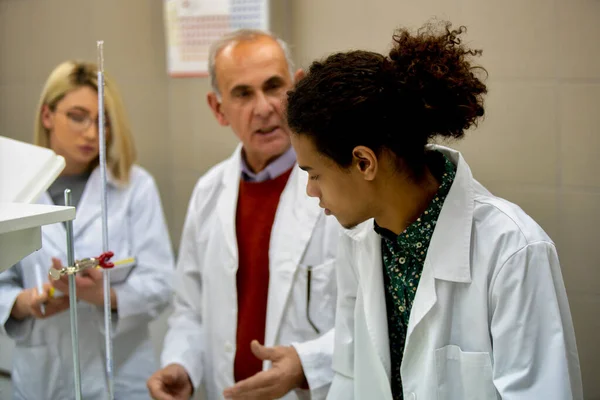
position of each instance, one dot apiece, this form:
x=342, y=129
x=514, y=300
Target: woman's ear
x=47, y=117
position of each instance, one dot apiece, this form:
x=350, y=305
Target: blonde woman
x=67, y=122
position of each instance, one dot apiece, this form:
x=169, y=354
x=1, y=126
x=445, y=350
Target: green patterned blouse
x=403, y=259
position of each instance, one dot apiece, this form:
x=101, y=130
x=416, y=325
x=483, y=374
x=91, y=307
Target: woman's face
x=73, y=128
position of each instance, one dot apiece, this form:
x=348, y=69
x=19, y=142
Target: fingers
x=261, y=352
x=35, y=300
x=262, y=383
x=56, y=263
x=87, y=282
x=64, y=279
x=170, y=383
x=95, y=274
x=56, y=306
x=258, y=394
x=36, y=311
x=38, y=297
x=156, y=389
x=82, y=284
x=61, y=285
x=259, y=384
x=49, y=290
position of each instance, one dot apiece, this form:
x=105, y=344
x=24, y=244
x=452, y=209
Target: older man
x=256, y=257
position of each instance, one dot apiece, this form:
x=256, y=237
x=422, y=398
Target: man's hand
x=170, y=383
x=285, y=375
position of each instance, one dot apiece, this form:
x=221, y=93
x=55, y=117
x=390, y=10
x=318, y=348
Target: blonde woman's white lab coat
x=202, y=330
x=490, y=318
x=42, y=362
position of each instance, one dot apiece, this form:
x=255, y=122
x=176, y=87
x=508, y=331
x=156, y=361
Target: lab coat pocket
x=318, y=284
x=464, y=375
x=35, y=373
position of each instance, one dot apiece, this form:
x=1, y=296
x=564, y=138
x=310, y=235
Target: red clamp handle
x=103, y=260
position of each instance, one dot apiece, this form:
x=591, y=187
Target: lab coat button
x=228, y=347
x=411, y=396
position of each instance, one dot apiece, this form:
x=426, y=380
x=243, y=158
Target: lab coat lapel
x=227, y=205
x=450, y=263
x=425, y=298
x=370, y=267
x=295, y=219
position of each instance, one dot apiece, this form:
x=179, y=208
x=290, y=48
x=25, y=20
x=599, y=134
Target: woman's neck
x=74, y=169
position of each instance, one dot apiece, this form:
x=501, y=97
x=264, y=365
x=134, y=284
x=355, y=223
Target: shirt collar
x=276, y=168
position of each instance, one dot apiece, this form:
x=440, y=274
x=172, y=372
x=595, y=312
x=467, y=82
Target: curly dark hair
x=426, y=87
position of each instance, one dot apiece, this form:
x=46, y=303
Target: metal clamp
x=83, y=264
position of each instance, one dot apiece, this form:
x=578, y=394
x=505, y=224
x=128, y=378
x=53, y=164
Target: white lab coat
x=42, y=365
x=202, y=330
x=490, y=318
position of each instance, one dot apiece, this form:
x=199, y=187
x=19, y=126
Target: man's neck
x=404, y=201
x=256, y=164
x=285, y=160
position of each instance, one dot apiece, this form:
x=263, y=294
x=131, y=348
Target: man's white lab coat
x=490, y=318
x=202, y=330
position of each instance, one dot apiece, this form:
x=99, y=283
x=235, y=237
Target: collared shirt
x=403, y=260
x=277, y=167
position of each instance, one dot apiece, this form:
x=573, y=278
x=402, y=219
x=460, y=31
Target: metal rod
x=106, y=275
x=73, y=302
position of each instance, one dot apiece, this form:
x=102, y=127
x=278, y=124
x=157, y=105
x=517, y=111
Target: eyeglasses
x=81, y=121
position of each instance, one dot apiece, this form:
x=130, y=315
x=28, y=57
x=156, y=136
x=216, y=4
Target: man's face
x=253, y=79
x=342, y=192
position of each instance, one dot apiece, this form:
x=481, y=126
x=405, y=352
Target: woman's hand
x=29, y=303
x=88, y=284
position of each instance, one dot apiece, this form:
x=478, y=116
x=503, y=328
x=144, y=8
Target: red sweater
x=256, y=207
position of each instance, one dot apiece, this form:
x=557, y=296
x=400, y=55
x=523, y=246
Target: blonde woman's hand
x=29, y=303
x=88, y=285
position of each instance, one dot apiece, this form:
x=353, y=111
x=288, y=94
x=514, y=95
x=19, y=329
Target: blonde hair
x=71, y=75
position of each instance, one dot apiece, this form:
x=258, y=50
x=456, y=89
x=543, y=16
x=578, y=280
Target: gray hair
x=239, y=36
